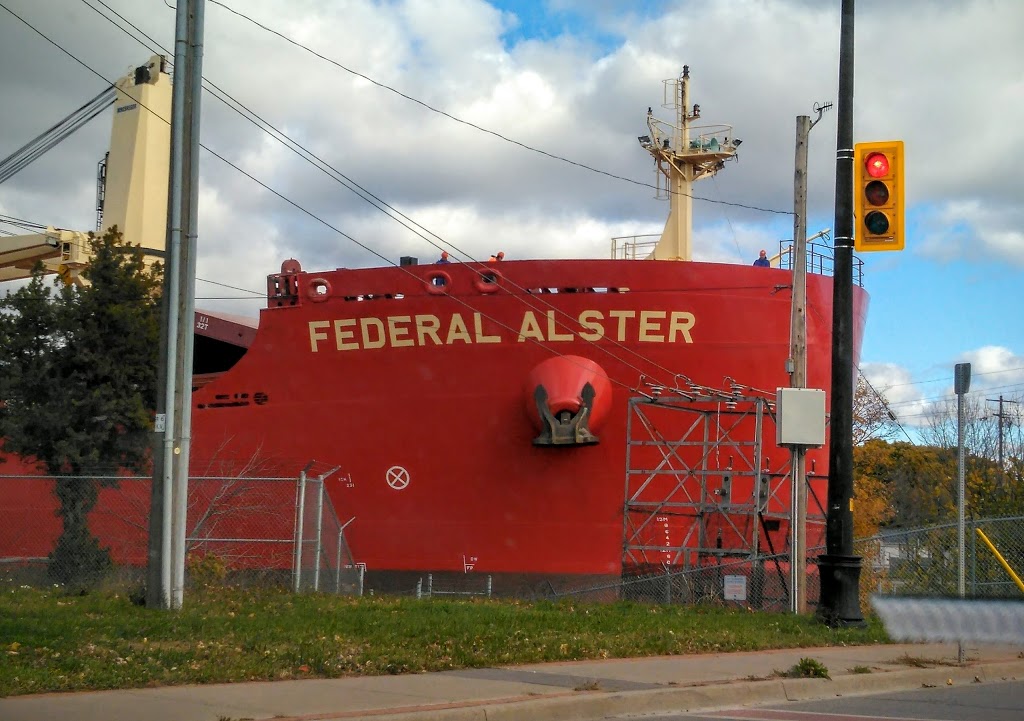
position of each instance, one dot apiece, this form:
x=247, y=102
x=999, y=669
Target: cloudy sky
x=571, y=78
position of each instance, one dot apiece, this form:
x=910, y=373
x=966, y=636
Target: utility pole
x=797, y=365
x=186, y=296
x=798, y=370
x=169, y=495
x=158, y=576
x=838, y=568
x=1000, y=415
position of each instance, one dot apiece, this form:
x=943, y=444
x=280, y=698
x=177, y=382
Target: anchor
x=568, y=429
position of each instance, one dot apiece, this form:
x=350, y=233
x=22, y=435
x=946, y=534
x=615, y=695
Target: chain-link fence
x=918, y=562
x=72, y=530
x=322, y=561
x=458, y=585
x=762, y=583
x=925, y=561
x=286, y=532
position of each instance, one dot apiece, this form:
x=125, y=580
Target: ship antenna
x=682, y=155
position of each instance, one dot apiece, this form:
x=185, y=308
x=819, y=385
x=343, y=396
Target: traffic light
x=878, y=195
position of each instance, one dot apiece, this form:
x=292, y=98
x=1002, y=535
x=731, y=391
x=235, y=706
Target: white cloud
x=995, y=370
x=976, y=230
x=896, y=385
x=994, y=367
x=946, y=78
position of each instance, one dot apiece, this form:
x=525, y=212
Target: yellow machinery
x=133, y=186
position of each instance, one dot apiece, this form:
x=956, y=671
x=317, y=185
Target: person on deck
x=444, y=258
x=762, y=260
x=500, y=255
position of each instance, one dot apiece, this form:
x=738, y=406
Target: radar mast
x=683, y=153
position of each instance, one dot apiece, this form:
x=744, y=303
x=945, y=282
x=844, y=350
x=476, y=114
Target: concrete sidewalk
x=553, y=691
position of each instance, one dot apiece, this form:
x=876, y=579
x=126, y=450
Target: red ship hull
x=419, y=394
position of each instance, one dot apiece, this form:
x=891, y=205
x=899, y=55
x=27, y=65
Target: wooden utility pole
x=797, y=364
x=798, y=369
x=1000, y=416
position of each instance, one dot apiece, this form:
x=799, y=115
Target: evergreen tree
x=78, y=384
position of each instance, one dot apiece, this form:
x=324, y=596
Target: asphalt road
x=977, y=702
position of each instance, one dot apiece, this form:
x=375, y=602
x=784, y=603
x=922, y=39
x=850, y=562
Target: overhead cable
x=533, y=302
x=297, y=206
x=507, y=139
x=54, y=135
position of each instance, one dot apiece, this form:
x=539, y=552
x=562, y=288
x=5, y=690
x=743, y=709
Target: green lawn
x=53, y=642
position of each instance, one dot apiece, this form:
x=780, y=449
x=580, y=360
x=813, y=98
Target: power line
x=951, y=397
x=21, y=223
x=885, y=403
x=261, y=294
x=369, y=249
x=372, y=199
x=478, y=127
x=935, y=407
x=948, y=378
x=56, y=134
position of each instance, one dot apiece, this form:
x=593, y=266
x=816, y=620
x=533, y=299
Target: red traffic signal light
x=876, y=165
x=878, y=196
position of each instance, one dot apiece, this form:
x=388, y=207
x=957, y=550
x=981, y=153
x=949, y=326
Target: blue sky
x=574, y=78
x=592, y=22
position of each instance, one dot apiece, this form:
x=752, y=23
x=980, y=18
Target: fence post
x=430, y=584
x=300, y=512
x=489, y=586
x=419, y=588
x=319, y=533
x=668, y=585
x=361, y=572
x=337, y=567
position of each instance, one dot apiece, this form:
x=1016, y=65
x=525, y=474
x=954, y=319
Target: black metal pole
x=838, y=568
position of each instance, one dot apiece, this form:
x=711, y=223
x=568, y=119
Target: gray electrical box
x=800, y=417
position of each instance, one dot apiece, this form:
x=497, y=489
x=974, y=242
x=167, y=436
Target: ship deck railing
x=701, y=139
x=820, y=260
x=820, y=256
x=634, y=247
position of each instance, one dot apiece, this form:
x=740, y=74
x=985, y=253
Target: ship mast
x=682, y=155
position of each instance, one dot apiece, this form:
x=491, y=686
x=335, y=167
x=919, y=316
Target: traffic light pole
x=838, y=568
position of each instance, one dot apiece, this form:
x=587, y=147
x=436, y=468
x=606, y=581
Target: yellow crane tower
x=132, y=183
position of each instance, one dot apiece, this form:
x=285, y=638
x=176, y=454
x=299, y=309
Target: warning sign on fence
x=735, y=588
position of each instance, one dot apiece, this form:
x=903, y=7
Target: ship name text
x=399, y=331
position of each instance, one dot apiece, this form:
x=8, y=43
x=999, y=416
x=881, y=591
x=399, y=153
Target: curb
x=595, y=705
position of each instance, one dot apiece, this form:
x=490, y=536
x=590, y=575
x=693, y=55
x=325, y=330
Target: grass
x=54, y=642
x=805, y=668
